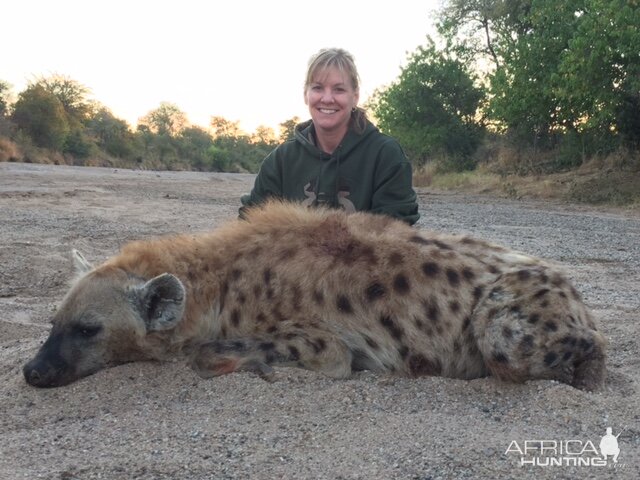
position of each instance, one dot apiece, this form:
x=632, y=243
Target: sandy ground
x=161, y=421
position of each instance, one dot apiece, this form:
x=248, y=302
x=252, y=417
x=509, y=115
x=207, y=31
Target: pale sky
x=244, y=60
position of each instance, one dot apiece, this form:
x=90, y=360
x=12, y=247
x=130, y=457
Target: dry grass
x=9, y=151
x=609, y=180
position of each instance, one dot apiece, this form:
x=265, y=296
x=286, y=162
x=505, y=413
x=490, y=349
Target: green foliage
x=523, y=95
x=553, y=84
x=287, y=128
x=239, y=153
x=112, y=134
x=431, y=109
x=54, y=113
x=223, y=128
x=564, y=76
x=236, y=151
x=166, y=120
x=41, y=115
x=78, y=144
x=219, y=159
x=481, y=31
x=72, y=95
x=4, y=101
x=193, y=146
x=598, y=78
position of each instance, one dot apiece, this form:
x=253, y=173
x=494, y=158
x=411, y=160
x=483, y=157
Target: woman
x=338, y=158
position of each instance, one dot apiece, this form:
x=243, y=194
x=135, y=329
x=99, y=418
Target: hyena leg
x=531, y=324
x=312, y=349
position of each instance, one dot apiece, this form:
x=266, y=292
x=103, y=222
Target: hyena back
x=329, y=292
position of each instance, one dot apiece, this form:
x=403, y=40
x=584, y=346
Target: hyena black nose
x=32, y=375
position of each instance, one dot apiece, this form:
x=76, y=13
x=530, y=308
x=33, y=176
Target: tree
x=431, y=108
x=221, y=127
x=167, y=120
x=4, y=100
x=598, y=79
x=234, y=150
x=72, y=95
x=481, y=30
x=111, y=134
x=560, y=70
x=264, y=135
x=287, y=128
x=41, y=115
x=219, y=159
x=193, y=145
x=524, y=96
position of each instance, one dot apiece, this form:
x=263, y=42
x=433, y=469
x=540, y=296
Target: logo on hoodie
x=315, y=198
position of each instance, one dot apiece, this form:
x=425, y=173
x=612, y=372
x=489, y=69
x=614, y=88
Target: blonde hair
x=344, y=62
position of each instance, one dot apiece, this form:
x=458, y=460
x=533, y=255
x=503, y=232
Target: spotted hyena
x=326, y=291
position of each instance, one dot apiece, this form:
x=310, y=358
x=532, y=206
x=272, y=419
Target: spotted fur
x=329, y=292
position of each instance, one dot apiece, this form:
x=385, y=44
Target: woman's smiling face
x=331, y=97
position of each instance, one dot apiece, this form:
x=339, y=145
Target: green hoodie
x=367, y=171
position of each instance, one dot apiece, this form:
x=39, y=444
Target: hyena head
x=104, y=321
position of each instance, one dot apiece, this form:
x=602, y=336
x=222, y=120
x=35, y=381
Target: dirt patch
x=160, y=421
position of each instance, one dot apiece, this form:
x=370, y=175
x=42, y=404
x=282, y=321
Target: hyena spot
x=294, y=354
x=318, y=297
x=372, y=343
x=586, y=345
x=318, y=344
x=420, y=365
x=266, y=346
x=507, y=333
x=524, y=275
x=403, y=351
x=401, y=284
x=550, y=358
x=541, y=293
x=267, y=275
x=388, y=323
x=468, y=274
x=420, y=240
x=375, y=291
x=343, y=304
x=396, y=259
x=477, y=292
x=441, y=245
x=500, y=357
x=527, y=342
x=453, y=277
x=430, y=269
x=257, y=291
x=433, y=313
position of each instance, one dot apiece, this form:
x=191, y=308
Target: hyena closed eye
x=329, y=292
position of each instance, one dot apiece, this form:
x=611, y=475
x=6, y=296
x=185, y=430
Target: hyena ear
x=80, y=263
x=162, y=301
